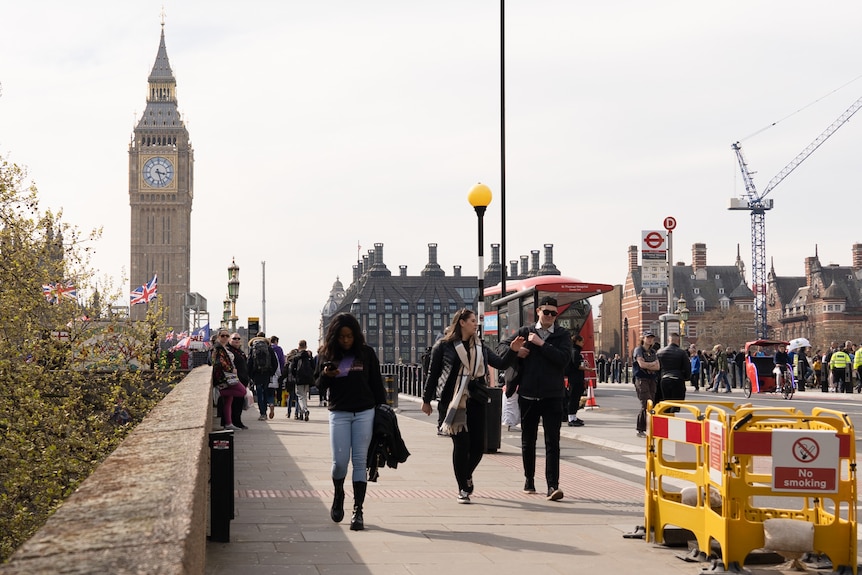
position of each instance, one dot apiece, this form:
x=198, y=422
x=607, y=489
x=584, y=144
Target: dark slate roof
x=410, y=289
x=800, y=298
x=835, y=291
x=718, y=279
x=742, y=292
x=842, y=283
x=787, y=288
x=161, y=112
x=637, y=276
x=162, y=68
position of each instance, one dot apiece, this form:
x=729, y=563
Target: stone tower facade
x=161, y=169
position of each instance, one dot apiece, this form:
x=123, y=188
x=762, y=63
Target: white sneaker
x=231, y=427
x=463, y=497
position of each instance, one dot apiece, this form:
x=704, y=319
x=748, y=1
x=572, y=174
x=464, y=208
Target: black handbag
x=479, y=390
x=512, y=378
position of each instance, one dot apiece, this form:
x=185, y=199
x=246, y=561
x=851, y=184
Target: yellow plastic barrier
x=722, y=471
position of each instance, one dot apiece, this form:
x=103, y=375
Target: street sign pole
x=669, y=225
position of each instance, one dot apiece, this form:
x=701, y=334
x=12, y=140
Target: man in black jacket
x=543, y=351
x=675, y=370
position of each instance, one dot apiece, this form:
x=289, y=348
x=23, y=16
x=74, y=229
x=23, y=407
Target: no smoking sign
x=805, y=460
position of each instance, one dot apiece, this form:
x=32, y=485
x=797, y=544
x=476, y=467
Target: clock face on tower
x=158, y=172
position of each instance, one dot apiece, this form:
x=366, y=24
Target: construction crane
x=757, y=204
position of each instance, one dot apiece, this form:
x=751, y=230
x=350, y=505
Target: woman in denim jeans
x=350, y=371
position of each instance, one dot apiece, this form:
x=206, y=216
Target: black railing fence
x=407, y=379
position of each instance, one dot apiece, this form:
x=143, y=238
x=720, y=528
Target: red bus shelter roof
x=574, y=288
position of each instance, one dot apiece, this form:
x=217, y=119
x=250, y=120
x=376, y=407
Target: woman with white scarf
x=457, y=365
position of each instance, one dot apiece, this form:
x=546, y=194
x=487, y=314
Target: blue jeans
x=349, y=436
x=719, y=376
x=265, y=396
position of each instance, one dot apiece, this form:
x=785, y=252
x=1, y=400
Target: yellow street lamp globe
x=479, y=196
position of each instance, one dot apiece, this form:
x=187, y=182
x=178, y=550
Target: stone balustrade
x=144, y=509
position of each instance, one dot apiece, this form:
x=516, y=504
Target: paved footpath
x=413, y=524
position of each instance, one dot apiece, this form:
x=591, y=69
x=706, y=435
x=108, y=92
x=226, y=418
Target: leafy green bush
x=56, y=432
x=57, y=401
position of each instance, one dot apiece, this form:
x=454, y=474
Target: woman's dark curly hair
x=331, y=348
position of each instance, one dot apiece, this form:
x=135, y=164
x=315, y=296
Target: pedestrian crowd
x=544, y=375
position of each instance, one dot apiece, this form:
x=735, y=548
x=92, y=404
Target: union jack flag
x=170, y=336
x=53, y=292
x=145, y=293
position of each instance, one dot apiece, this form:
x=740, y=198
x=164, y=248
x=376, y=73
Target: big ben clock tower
x=161, y=166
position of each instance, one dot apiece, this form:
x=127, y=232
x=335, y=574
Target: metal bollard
x=493, y=420
x=391, y=391
x=221, y=485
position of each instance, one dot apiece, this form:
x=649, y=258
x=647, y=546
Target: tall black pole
x=480, y=212
x=502, y=150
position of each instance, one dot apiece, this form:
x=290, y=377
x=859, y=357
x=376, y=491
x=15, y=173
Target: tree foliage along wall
x=56, y=414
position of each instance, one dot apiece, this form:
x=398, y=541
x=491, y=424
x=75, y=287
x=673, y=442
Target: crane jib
x=757, y=204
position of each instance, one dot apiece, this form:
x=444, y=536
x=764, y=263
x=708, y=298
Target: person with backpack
x=262, y=365
x=288, y=382
x=302, y=368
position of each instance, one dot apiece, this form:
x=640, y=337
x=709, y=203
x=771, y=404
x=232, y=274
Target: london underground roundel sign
x=653, y=240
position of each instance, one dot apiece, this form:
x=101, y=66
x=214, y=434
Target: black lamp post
x=233, y=291
x=479, y=197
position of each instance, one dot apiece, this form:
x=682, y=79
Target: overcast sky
x=321, y=125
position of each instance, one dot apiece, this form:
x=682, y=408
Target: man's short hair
x=261, y=334
x=674, y=334
x=548, y=300
x=273, y=339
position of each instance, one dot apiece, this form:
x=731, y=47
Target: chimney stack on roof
x=857, y=256
x=698, y=261
x=633, y=258
x=548, y=268
x=534, y=267
x=432, y=268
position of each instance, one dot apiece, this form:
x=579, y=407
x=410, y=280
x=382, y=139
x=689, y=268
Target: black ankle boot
x=357, y=522
x=337, y=510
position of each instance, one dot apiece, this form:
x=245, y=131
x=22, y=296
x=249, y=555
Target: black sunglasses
x=549, y=312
